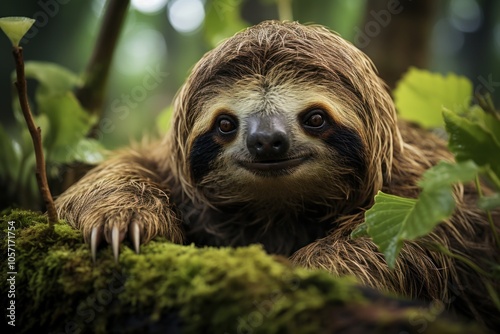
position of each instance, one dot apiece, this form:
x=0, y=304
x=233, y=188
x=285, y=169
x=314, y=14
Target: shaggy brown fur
x=193, y=187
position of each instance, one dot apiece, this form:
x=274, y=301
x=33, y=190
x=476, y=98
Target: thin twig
x=442, y=249
x=91, y=93
x=486, y=103
x=486, y=276
x=36, y=136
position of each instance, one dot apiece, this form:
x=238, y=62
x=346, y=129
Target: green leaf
x=384, y=222
x=490, y=202
x=487, y=121
x=360, y=231
x=471, y=141
x=69, y=123
x=63, y=121
x=88, y=151
x=53, y=79
x=447, y=173
x=421, y=95
x=15, y=28
x=393, y=219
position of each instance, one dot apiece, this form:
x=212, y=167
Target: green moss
x=170, y=286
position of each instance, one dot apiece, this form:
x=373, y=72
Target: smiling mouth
x=271, y=166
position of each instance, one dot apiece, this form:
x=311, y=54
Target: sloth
x=281, y=136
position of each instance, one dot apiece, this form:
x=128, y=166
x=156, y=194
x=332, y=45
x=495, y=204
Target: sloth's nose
x=267, y=138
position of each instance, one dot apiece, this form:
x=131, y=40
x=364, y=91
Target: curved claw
x=115, y=241
x=135, y=235
x=95, y=240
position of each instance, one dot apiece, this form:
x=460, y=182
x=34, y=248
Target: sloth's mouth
x=273, y=166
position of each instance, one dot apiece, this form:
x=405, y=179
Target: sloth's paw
x=118, y=217
x=137, y=225
x=114, y=228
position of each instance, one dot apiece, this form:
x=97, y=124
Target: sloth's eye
x=315, y=119
x=226, y=125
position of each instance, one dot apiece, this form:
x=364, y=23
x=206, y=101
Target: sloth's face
x=284, y=113
x=276, y=140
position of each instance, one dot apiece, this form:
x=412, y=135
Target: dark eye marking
x=208, y=146
x=345, y=144
x=204, y=152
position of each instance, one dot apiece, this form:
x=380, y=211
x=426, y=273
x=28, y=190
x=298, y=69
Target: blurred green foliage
x=421, y=95
x=64, y=123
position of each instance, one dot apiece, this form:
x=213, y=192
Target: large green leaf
x=471, y=141
x=447, y=173
x=394, y=219
x=421, y=95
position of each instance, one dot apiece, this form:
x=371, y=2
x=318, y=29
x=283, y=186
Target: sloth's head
x=286, y=113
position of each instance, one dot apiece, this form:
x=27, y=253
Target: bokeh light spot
x=465, y=15
x=148, y=6
x=446, y=40
x=186, y=15
x=142, y=47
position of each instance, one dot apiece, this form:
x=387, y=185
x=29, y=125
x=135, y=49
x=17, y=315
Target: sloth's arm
x=360, y=258
x=123, y=197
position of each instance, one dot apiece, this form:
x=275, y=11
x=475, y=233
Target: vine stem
x=36, y=136
x=285, y=12
x=488, y=213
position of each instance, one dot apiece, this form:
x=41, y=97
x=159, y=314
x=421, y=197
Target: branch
x=95, y=77
x=36, y=136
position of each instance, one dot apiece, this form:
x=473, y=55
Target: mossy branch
x=36, y=136
x=95, y=77
x=175, y=288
